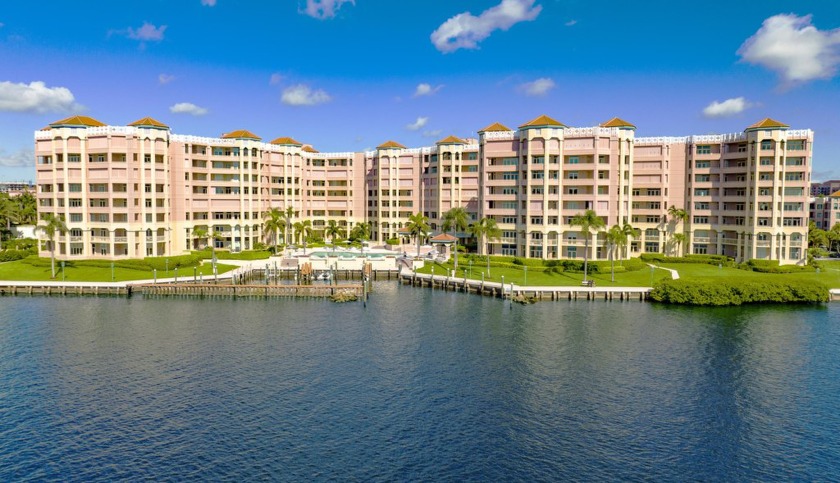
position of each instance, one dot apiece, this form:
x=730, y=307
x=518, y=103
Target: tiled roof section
x=617, y=122
x=241, y=134
x=543, y=121
x=148, y=121
x=451, y=140
x=78, y=121
x=836, y=194
x=496, y=126
x=287, y=140
x=310, y=149
x=443, y=238
x=768, y=123
x=390, y=145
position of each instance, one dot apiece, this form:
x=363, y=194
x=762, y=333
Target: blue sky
x=347, y=75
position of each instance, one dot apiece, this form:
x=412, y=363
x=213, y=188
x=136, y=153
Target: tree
x=587, y=221
x=53, y=225
x=333, y=231
x=817, y=237
x=678, y=239
x=199, y=233
x=303, y=229
x=678, y=215
x=418, y=227
x=834, y=237
x=288, y=215
x=615, y=239
x=485, y=229
x=455, y=219
x=274, y=223
x=629, y=232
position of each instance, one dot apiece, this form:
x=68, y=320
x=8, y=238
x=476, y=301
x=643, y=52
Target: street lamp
x=112, y=271
x=167, y=266
x=525, y=282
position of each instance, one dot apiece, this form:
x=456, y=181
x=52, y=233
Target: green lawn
x=20, y=271
x=829, y=275
x=640, y=278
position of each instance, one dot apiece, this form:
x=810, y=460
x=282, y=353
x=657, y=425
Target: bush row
x=207, y=254
x=708, y=259
x=772, y=266
x=12, y=255
x=717, y=292
x=146, y=264
x=557, y=266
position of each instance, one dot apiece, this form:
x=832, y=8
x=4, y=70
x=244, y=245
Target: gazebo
x=445, y=240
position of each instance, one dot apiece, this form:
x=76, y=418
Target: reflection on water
x=420, y=384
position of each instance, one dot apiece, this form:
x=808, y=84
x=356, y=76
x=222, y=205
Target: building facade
x=139, y=190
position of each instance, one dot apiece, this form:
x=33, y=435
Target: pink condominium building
x=139, y=190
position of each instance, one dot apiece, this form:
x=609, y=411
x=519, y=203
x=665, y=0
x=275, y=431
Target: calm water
x=421, y=385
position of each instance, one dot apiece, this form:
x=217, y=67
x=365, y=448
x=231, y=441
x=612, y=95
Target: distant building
x=825, y=188
x=15, y=188
x=825, y=210
x=139, y=190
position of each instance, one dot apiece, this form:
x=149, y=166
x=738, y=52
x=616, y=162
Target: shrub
x=207, y=254
x=23, y=244
x=772, y=266
x=12, y=255
x=393, y=241
x=719, y=292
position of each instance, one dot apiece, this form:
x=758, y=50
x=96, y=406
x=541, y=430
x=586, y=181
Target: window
x=74, y=158
x=702, y=164
x=701, y=220
x=75, y=217
x=572, y=175
x=704, y=149
x=796, y=145
x=767, y=144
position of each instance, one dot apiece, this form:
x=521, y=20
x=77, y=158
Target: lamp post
x=62, y=271
x=195, y=277
x=176, y=274
x=154, y=273
x=112, y=272
x=167, y=266
x=525, y=282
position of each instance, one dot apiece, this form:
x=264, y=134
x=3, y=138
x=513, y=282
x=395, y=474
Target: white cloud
x=418, y=124
x=188, y=108
x=147, y=32
x=36, y=97
x=208, y=3
x=275, y=79
x=465, y=30
x=432, y=134
x=727, y=108
x=22, y=158
x=165, y=78
x=426, y=89
x=323, y=9
x=794, y=48
x=570, y=23
x=303, y=95
x=539, y=87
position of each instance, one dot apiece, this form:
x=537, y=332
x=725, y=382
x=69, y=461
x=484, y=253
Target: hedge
x=12, y=255
x=708, y=259
x=557, y=266
x=772, y=266
x=226, y=255
x=717, y=292
x=146, y=264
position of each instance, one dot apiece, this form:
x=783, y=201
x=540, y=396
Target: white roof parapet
x=662, y=140
x=800, y=133
x=719, y=138
x=343, y=155
x=428, y=150
x=573, y=132
x=471, y=147
x=370, y=154
x=185, y=138
x=410, y=151
x=124, y=130
x=496, y=135
x=43, y=135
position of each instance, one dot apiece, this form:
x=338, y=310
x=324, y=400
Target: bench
x=587, y=283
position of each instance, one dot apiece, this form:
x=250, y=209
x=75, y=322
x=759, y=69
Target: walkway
x=674, y=274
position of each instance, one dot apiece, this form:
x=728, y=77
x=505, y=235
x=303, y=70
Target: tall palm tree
x=677, y=215
x=53, y=224
x=199, y=233
x=288, y=215
x=615, y=239
x=418, y=227
x=333, y=231
x=303, y=229
x=274, y=223
x=629, y=232
x=361, y=233
x=485, y=228
x=678, y=239
x=455, y=219
x=587, y=221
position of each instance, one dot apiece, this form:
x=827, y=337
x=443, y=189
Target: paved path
x=674, y=274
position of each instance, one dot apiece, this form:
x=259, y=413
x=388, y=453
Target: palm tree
x=677, y=215
x=199, y=233
x=303, y=229
x=288, y=214
x=455, y=219
x=678, y=239
x=629, y=232
x=586, y=221
x=615, y=239
x=53, y=225
x=485, y=227
x=418, y=227
x=360, y=233
x=333, y=231
x=274, y=223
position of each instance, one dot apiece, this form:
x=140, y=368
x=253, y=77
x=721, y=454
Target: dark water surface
x=419, y=385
